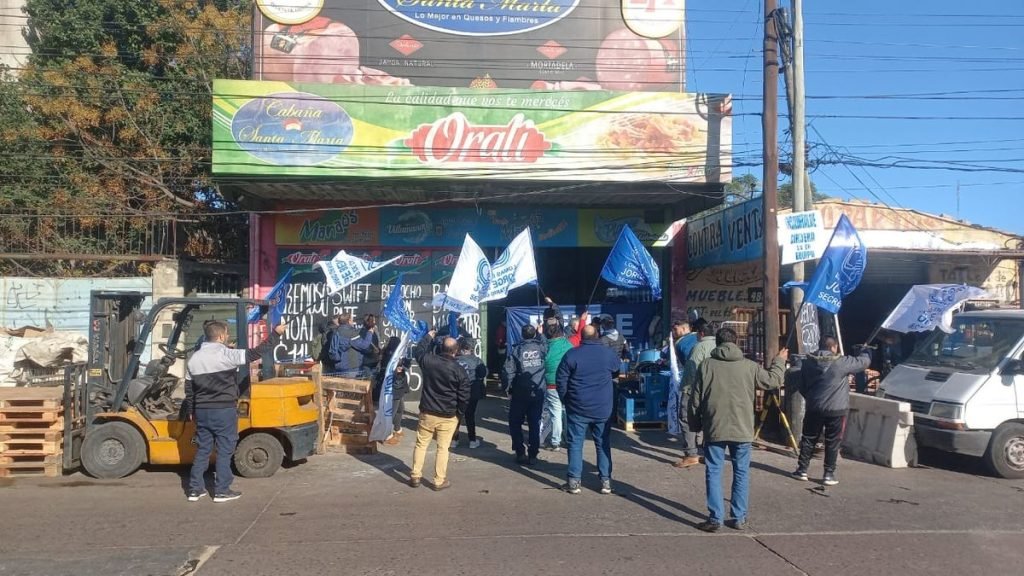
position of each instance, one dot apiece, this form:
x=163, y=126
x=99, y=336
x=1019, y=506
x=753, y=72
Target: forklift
x=117, y=419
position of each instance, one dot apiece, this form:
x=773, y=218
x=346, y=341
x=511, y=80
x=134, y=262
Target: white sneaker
x=455, y=444
x=474, y=444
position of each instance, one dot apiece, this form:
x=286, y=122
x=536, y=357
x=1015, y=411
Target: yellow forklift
x=117, y=419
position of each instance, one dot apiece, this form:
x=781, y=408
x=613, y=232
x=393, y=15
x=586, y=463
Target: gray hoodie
x=824, y=380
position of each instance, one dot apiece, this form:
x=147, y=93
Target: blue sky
x=872, y=48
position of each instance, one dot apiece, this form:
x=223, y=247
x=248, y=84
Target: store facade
x=385, y=130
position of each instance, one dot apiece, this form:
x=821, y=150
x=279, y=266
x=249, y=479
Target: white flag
x=344, y=269
x=929, y=306
x=469, y=280
x=383, y=422
x=514, y=268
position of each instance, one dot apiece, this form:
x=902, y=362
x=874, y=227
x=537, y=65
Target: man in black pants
x=825, y=385
x=476, y=370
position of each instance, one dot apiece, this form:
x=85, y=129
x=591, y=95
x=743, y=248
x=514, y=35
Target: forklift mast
x=115, y=322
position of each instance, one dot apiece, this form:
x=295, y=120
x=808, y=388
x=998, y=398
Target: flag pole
x=839, y=335
x=594, y=291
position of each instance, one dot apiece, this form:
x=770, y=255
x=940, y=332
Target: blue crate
x=635, y=408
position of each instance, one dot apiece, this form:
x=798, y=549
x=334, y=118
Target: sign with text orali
x=735, y=234
x=274, y=128
x=802, y=236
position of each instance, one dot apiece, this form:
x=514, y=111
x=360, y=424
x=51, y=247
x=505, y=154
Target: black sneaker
x=522, y=459
x=572, y=487
x=800, y=474
x=830, y=479
x=532, y=460
x=709, y=526
x=226, y=496
x=606, y=486
x=195, y=495
x=736, y=524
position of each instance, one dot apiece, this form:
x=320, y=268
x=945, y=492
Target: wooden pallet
x=21, y=393
x=13, y=426
x=23, y=470
x=634, y=426
x=28, y=415
x=30, y=404
x=30, y=446
x=347, y=385
x=20, y=457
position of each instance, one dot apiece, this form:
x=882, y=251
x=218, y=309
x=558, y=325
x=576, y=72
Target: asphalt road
x=340, y=515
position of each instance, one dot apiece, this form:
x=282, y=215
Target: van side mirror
x=1013, y=367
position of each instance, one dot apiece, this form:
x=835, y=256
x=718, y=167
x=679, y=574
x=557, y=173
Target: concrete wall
x=13, y=48
x=60, y=302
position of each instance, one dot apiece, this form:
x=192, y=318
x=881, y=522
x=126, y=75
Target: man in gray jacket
x=701, y=351
x=825, y=385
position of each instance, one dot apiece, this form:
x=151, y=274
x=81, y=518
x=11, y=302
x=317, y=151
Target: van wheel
x=112, y=450
x=1005, y=455
x=258, y=455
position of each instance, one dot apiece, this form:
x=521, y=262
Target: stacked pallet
x=31, y=432
x=349, y=414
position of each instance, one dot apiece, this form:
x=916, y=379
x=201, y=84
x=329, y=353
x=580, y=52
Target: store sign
x=270, y=128
x=802, y=236
x=548, y=45
x=292, y=127
x=735, y=234
x=474, y=18
x=718, y=292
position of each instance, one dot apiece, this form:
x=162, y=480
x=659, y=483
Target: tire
x=1005, y=454
x=113, y=450
x=258, y=455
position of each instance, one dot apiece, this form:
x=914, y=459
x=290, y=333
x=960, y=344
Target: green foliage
x=112, y=115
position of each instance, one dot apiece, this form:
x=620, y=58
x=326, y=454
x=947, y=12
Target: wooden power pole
x=769, y=127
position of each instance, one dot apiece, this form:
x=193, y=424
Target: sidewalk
x=340, y=515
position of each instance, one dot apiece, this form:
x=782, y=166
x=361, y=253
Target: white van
x=966, y=389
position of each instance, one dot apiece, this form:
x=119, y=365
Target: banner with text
x=802, y=236
x=635, y=322
x=735, y=234
x=276, y=128
x=552, y=45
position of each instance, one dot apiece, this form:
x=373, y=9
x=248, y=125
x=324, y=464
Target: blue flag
x=277, y=297
x=630, y=265
x=840, y=269
x=400, y=316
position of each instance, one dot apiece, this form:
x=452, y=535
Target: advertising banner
x=281, y=129
x=634, y=321
x=417, y=227
x=735, y=234
x=631, y=45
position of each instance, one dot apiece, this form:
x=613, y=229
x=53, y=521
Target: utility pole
x=769, y=127
x=801, y=191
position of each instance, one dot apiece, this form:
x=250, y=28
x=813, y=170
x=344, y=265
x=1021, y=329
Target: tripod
x=773, y=398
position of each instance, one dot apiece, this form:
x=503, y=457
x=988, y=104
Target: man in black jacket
x=825, y=385
x=211, y=393
x=523, y=375
x=445, y=397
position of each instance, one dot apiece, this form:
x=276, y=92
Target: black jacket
x=523, y=372
x=476, y=371
x=824, y=380
x=446, y=387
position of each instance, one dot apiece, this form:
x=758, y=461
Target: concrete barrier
x=880, y=431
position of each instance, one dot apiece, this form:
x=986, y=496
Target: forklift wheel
x=258, y=455
x=112, y=450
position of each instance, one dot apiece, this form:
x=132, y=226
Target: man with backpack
x=523, y=377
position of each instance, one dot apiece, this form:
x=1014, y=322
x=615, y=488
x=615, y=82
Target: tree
x=748, y=186
x=113, y=112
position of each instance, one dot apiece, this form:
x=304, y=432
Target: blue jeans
x=576, y=432
x=528, y=409
x=714, y=459
x=214, y=426
x=552, y=420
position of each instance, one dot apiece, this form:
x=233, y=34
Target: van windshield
x=978, y=345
